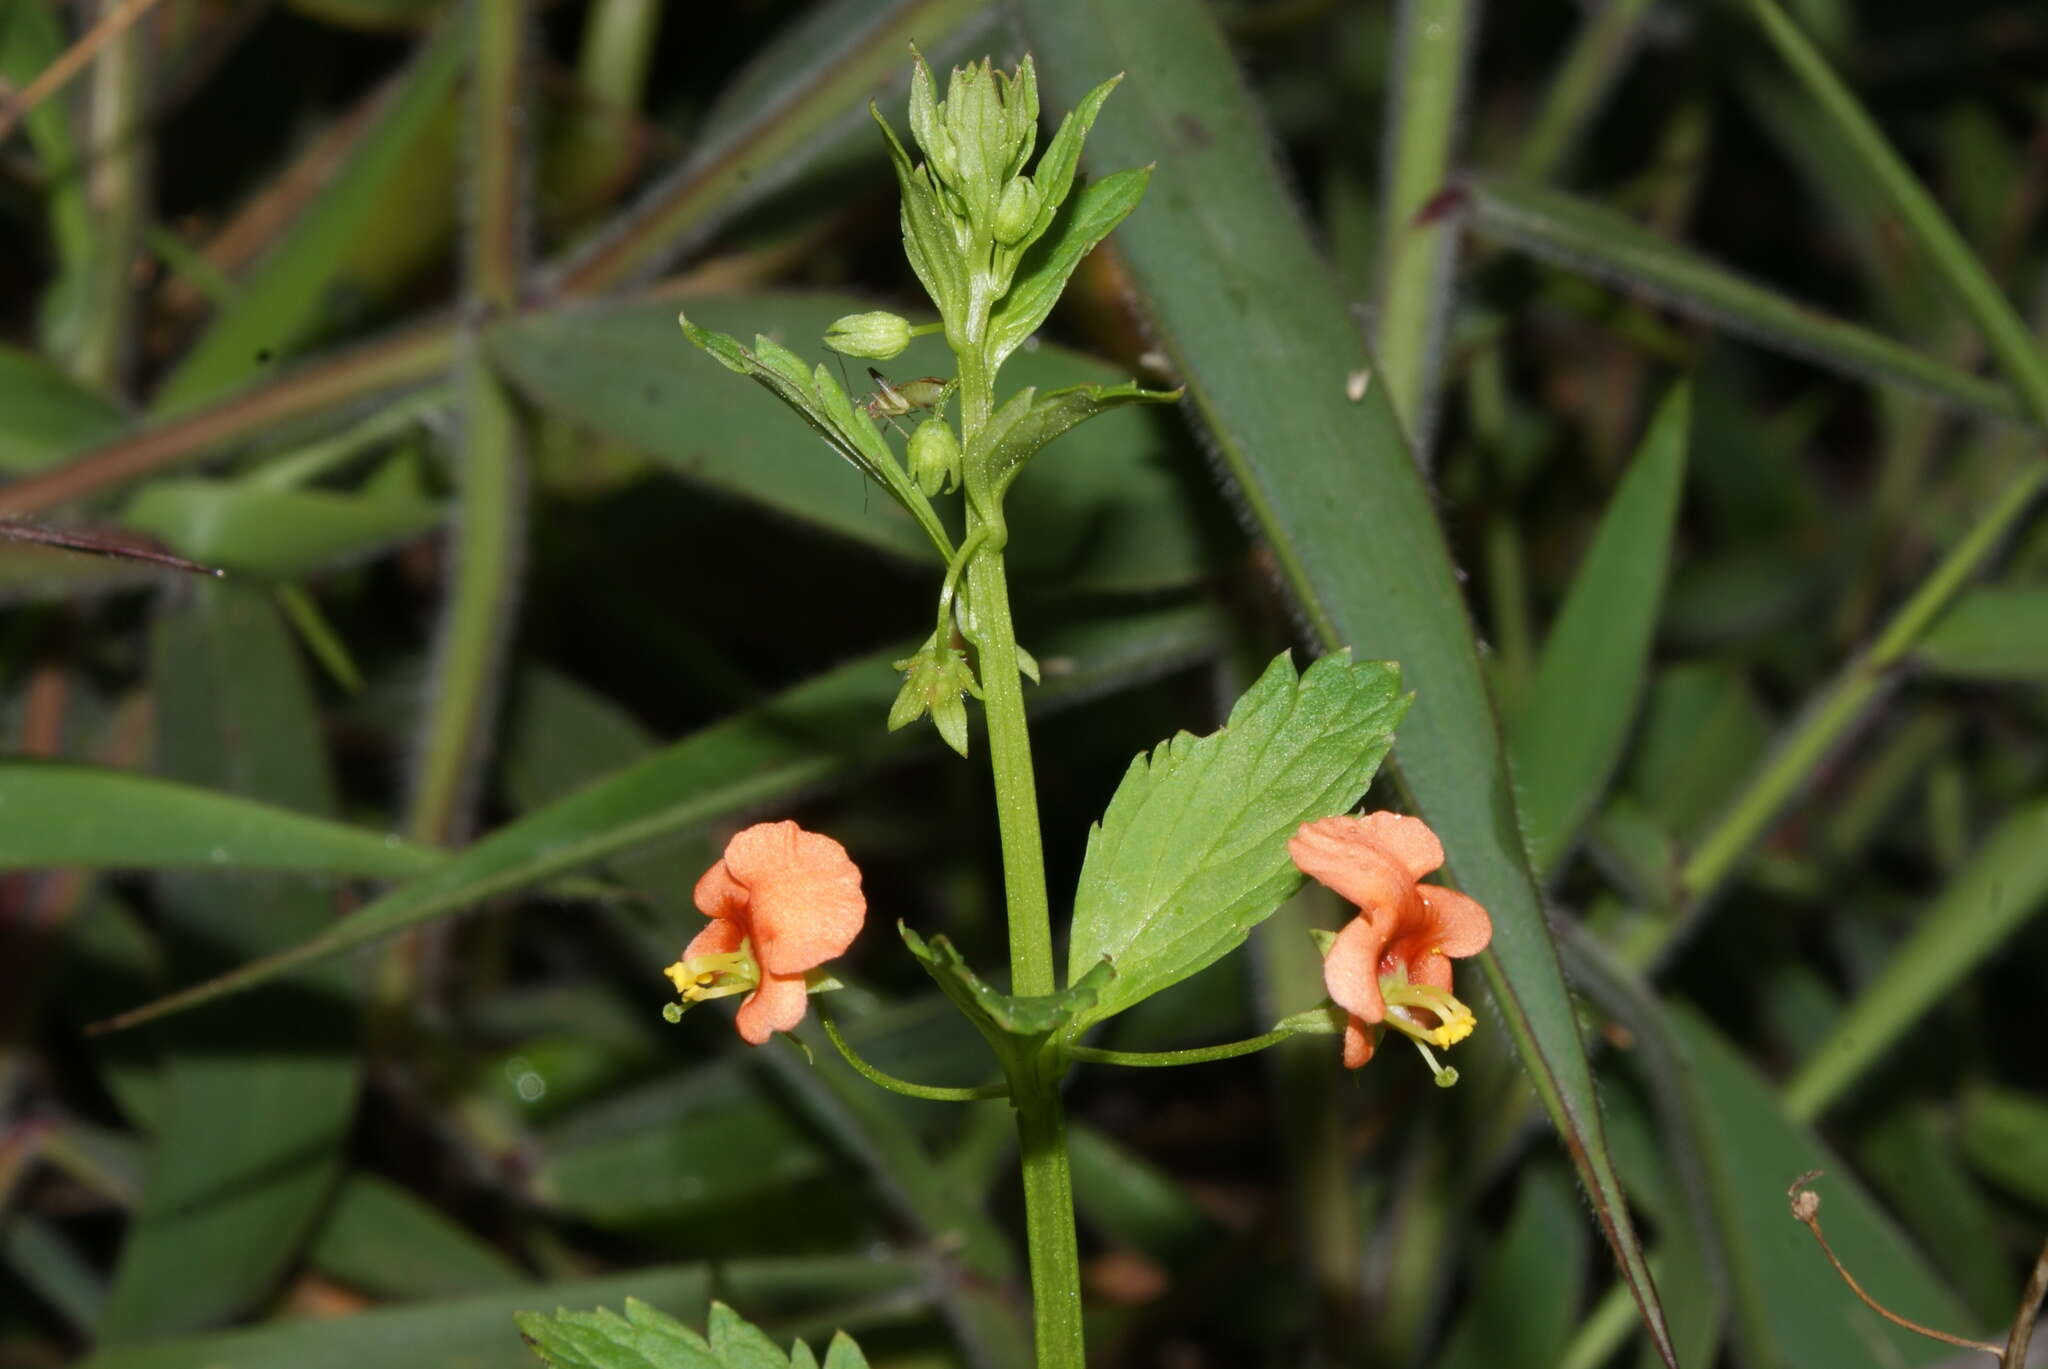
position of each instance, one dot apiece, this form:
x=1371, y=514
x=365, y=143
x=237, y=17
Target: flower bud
x=933, y=682
x=1017, y=211
x=878, y=335
x=935, y=456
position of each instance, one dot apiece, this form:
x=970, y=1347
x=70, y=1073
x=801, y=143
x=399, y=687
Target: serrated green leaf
x=1043, y=273
x=739, y=1344
x=842, y=1353
x=645, y=1338
x=1568, y=735
x=1191, y=853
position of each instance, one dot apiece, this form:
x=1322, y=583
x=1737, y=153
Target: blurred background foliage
x=371, y=303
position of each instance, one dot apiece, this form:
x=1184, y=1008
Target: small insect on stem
x=890, y=402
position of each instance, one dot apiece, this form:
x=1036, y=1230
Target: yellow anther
x=715, y=976
x=1454, y=1021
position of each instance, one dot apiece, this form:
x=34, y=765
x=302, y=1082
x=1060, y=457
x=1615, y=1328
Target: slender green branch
x=883, y=1079
x=1196, y=1055
x=2004, y=330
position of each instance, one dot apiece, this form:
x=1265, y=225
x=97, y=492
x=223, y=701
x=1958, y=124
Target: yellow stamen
x=1454, y=1021
x=705, y=977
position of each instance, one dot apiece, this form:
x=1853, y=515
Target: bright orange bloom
x=783, y=901
x=1391, y=965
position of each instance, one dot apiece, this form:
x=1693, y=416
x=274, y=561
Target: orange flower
x=783, y=901
x=1391, y=965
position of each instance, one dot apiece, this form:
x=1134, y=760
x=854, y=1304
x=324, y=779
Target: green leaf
x=811, y=733
x=257, y=1095
x=1237, y=297
x=843, y=1353
x=49, y=415
x=1112, y=506
x=1589, y=238
x=282, y=302
x=380, y=1239
x=1032, y=1019
x=1043, y=273
x=2003, y=886
x=1993, y=632
x=927, y=229
x=1191, y=853
x=62, y=814
x=479, y=1332
x=1567, y=737
x=1054, y=174
x=272, y=532
x=2005, y=1134
x=648, y=1338
x=1028, y=421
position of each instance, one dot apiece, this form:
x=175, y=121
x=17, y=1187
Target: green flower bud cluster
x=934, y=681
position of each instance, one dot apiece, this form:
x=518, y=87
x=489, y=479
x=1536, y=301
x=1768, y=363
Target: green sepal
x=1027, y=421
x=1018, y=1027
x=819, y=400
x=1043, y=272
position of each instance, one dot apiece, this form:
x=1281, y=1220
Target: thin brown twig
x=1806, y=1210
x=71, y=61
x=2030, y=1308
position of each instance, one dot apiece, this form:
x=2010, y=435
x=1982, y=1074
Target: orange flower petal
x=777, y=1006
x=1357, y=1044
x=1460, y=926
x=1408, y=840
x=719, y=895
x=806, y=904
x=1345, y=854
x=719, y=937
x=1351, y=971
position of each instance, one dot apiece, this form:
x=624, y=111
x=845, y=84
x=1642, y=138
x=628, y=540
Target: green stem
x=1195, y=1055
x=881, y=1078
x=1041, y=1127
x=1049, y=1227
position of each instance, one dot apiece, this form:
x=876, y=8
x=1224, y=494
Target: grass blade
x=257, y=1095
x=282, y=300
x=1432, y=43
x=62, y=814
x=1995, y=632
x=798, y=739
x=1580, y=235
x=1245, y=310
x=2001, y=888
x=1568, y=734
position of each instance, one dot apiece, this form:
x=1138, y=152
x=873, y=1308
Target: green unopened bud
x=878, y=335
x=1017, y=211
x=935, y=456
